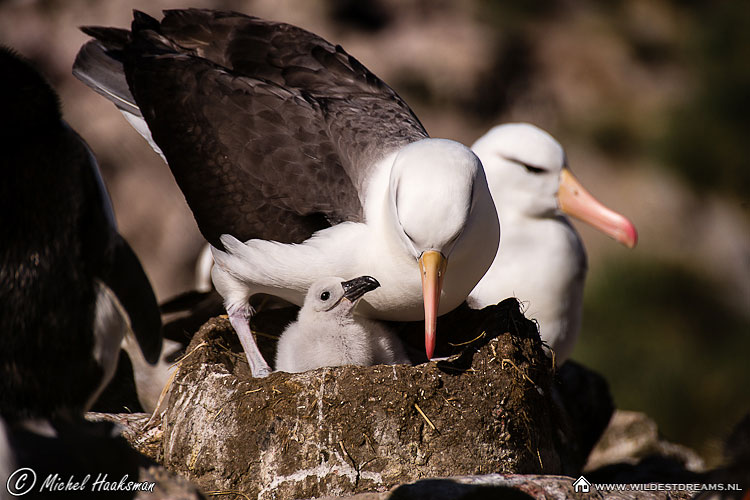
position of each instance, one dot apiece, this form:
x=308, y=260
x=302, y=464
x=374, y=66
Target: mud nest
x=333, y=431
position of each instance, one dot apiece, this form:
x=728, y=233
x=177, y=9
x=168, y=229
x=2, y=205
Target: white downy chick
x=328, y=333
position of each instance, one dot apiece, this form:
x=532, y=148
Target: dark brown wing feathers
x=268, y=129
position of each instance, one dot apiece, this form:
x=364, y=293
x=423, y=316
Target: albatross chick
x=328, y=333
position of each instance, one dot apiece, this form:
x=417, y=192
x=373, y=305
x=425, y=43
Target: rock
x=167, y=485
x=504, y=486
x=631, y=450
x=351, y=429
x=142, y=432
x=735, y=468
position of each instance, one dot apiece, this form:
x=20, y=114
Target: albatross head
x=434, y=188
x=528, y=174
x=335, y=296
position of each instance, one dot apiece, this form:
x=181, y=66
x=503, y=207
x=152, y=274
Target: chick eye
x=532, y=169
x=325, y=296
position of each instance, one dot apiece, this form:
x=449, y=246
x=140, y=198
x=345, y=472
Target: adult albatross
x=541, y=259
x=299, y=163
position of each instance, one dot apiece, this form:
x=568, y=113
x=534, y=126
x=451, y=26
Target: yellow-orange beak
x=576, y=201
x=432, y=265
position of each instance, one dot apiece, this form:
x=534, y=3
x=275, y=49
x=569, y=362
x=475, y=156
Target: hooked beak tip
x=631, y=236
x=355, y=288
x=575, y=200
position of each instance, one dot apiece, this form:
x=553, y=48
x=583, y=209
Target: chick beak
x=355, y=288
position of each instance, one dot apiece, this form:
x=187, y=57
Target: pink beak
x=432, y=266
x=575, y=200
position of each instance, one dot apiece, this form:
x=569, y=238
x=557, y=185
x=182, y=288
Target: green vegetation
x=669, y=346
x=708, y=138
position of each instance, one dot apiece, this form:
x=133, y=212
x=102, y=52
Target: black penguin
x=67, y=278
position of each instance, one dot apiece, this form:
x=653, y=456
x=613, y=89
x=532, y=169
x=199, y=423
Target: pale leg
x=239, y=316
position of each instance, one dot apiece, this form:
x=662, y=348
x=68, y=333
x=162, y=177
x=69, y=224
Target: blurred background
x=650, y=98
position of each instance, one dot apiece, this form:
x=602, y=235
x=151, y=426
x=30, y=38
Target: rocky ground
x=494, y=418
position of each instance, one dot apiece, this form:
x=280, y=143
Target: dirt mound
x=351, y=429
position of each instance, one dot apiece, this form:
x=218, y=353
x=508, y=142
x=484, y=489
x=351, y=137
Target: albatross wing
x=268, y=136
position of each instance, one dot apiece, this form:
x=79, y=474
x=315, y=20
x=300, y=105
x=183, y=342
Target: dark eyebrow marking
x=531, y=168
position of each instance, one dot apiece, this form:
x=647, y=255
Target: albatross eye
x=325, y=296
x=532, y=169
x=529, y=168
